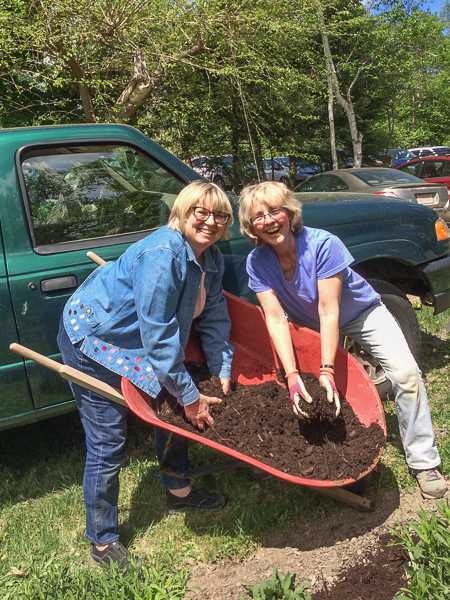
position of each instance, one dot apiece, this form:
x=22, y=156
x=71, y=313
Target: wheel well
x=405, y=277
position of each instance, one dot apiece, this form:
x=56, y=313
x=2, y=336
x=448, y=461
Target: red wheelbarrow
x=255, y=362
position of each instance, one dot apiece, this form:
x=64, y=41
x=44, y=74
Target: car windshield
x=383, y=177
x=405, y=154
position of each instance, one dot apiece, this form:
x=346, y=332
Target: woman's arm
x=214, y=325
x=278, y=327
x=329, y=298
x=330, y=290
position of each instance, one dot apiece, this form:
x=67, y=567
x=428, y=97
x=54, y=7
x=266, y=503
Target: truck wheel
x=401, y=309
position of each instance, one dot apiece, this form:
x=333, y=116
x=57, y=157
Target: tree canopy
x=249, y=78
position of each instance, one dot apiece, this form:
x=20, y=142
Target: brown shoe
x=431, y=483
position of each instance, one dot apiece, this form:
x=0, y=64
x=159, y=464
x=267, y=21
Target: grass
x=43, y=552
x=428, y=545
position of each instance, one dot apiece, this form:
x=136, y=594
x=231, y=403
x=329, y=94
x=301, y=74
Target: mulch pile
x=379, y=578
x=258, y=421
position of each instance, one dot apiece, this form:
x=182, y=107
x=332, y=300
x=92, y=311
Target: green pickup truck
x=69, y=189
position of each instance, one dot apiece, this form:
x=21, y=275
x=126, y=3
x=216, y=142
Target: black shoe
x=114, y=553
x=195, y=500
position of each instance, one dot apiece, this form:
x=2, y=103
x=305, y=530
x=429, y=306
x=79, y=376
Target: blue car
x=399, y=157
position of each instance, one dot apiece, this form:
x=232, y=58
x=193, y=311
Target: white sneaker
x=431, y=483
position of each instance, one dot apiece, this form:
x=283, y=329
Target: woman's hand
x=326, y=381
x=226, y=385
x=297, y=391
x=198, y=412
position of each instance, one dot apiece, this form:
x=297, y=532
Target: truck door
x=72, y=198
x=15, y=397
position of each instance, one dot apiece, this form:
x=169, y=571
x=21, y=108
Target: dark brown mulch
x=379, y=579
x=258, y=421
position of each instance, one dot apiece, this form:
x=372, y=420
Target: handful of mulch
x=258, y=421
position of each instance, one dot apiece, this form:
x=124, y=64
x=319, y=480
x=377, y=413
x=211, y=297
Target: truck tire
x=403, y=312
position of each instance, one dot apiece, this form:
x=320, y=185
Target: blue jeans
x=377, y=331
x=105, y=426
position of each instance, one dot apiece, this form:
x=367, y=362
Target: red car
x=434, y=169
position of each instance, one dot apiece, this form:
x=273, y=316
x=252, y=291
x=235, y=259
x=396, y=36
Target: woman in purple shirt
x=304, y=274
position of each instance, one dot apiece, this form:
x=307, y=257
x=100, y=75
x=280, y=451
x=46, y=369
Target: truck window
x=77, y=193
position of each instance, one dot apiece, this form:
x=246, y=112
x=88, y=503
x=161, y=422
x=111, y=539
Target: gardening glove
x=326, y=381
x=297, y=391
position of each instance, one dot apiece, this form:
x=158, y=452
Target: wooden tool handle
x=95, y=258
x=71, y=374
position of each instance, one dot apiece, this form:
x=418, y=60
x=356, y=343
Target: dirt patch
x=340, y=548
x=379, y=576
x=257, y=420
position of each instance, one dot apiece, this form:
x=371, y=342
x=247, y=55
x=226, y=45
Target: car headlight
x=442, y=231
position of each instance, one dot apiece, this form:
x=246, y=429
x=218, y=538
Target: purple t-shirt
x=320, y=254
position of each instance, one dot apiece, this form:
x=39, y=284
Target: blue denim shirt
x=134, y=316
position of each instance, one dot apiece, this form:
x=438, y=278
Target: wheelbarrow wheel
x=403, y=312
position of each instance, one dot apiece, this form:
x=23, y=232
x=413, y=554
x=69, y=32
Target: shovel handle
x=95, y=258
x=71, y=374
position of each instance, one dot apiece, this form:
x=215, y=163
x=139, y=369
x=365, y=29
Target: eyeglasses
x=203, y=214
x=273, y=214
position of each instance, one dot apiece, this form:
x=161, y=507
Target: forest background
x=251, y=78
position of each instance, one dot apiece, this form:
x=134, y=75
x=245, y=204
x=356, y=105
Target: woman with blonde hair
x=132, y=319
x=303, y=274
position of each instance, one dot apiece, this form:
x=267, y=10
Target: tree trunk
x=85, y=93
x=345, y=103
x=292, y=170
x=142, y=83
x=334, y=157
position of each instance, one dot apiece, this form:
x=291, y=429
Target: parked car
x=346, y=160
x=381, y=182
x=273, y=169
x=74, y=188
x=304, y=169
x=433, y=169
x=429, y=151
x=214, y=168
x=398, y=156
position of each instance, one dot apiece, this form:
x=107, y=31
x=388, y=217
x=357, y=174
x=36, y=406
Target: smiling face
x=202, y=234
x=272, y=226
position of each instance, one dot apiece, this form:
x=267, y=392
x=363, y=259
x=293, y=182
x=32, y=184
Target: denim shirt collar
x=209, y=262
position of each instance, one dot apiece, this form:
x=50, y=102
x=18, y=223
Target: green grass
x=42, y=511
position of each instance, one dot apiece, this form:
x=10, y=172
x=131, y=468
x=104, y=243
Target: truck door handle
x=58, y=283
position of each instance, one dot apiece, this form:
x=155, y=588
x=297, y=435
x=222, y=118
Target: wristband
x=327, y=367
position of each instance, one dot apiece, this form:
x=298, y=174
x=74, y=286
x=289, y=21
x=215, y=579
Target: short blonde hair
x=194, y=194
x=275, y=195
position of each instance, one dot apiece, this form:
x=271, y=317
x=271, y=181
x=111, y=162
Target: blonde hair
x=195, y=194
x=275, y=195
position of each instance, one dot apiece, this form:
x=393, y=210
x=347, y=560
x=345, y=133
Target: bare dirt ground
x=321, y=551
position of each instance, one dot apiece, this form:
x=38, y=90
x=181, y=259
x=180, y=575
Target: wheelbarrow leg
x=351, y=498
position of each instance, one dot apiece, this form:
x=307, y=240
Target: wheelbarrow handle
x=95, y=258
x=71, y=374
